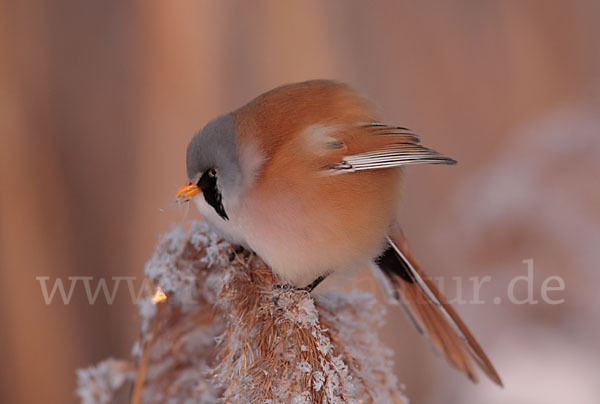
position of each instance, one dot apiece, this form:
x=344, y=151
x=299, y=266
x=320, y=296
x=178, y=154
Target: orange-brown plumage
x=279, y=115
x=293, y=199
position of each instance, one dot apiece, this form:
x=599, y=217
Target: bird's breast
x=304, y=229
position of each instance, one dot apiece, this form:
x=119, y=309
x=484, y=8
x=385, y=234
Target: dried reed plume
x=226, y=334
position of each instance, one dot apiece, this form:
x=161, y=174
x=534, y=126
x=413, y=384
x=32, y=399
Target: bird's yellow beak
x=186, y=192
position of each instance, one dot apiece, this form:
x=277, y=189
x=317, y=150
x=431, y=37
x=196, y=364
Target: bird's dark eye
x=208, y=179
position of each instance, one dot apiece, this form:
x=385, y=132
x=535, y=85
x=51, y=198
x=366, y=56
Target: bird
x=308, y=177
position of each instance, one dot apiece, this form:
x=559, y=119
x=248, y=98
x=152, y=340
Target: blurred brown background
x=98, y=100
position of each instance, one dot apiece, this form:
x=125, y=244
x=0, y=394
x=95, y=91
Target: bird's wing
x=428, y=309
x=376, y=145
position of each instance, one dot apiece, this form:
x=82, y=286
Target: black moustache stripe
x=211, y=193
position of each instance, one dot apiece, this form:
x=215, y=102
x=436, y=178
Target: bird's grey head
x=213, y=162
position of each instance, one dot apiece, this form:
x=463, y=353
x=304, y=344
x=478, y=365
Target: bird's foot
x=308, y=288
x=281, y=288
x=311, y=286
x=238, y=250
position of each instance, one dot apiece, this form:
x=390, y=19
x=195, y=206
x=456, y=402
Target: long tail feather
x=430, y=312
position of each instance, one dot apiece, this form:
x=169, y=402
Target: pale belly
x=302, y=236
x=304, y=233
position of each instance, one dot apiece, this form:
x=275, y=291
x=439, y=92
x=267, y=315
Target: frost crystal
x=226, y=334
x=98, y=384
